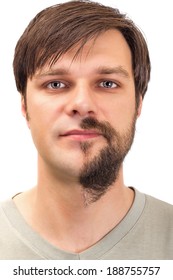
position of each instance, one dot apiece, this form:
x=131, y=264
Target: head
x=58, y=28
x=77, y=49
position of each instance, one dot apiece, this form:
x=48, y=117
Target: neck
x=58, y=212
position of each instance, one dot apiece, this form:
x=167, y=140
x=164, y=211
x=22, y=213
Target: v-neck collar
x=45, y=250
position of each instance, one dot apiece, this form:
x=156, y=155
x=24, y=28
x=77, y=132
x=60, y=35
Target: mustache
x=102, y=127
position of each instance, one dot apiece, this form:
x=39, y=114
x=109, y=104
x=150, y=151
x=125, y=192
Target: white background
x=148, y=166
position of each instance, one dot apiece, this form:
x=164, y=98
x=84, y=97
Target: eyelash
x=108, y=82
x=62, y=85
x=56, y=82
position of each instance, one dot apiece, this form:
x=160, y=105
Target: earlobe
x=139, y=109
x=23, y=107
x=24, y=111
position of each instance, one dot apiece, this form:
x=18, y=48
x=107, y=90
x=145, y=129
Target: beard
x=98, y=174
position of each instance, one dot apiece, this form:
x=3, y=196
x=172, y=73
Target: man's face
x=82, y=111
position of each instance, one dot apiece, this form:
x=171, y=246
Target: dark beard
x=98, y=174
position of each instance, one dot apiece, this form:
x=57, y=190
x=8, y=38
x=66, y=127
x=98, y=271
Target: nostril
x=75, y=112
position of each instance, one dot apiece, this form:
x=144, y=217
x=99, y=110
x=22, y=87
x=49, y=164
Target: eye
x=56, y=85
x=108, y=84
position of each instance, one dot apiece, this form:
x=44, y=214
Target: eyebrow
x=53, y=72
x=101, y=70
x=113, y=70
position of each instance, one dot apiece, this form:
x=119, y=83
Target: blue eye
x=108, y=84
x=56, y=85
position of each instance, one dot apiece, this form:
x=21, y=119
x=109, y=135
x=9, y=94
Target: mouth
x=81, y=135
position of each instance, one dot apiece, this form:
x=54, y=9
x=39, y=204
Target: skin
x=55, y=207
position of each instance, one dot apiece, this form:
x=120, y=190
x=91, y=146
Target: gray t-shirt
x=146, y=232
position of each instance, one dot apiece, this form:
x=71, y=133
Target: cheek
x=120, y=113
x=42, y=110
x=39, y=120
x=45, y=115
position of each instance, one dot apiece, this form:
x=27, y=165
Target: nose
x=82, y=102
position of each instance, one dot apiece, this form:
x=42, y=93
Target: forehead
x=108, y=49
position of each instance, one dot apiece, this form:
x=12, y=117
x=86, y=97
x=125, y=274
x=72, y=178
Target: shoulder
x=156, y=204
x=4, y=208
x=158, y=213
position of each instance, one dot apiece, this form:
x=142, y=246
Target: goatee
x=99, y=173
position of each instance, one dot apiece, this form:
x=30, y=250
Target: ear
x=23, y=107
x=139, y=109
x=24, y=111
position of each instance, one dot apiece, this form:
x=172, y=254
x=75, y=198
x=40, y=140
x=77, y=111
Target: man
x=82, y=70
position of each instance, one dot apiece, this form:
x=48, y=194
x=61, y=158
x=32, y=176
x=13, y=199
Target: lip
x=81, y=134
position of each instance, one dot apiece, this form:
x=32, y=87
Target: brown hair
x=56, y=29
